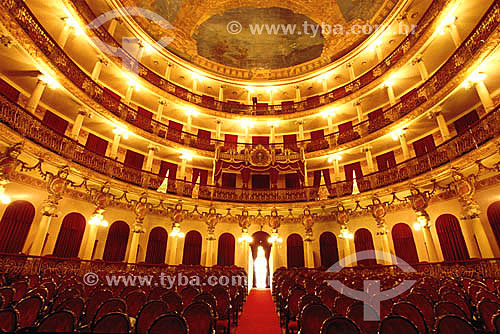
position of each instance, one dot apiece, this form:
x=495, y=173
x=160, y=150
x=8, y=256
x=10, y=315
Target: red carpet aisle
x=259, y=315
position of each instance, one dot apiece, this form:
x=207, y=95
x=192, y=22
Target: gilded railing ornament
x=9, y=162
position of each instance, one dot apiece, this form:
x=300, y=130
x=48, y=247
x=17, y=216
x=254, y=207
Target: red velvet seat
x=424, y=305
x=356, y=313
x=169, y=324
x=199, y=318
x=448, y=308
x=412, y=313
x=452, y=324
x=112, y=323
x=173, y=301
x=209, y=299
x=112, y=305
x=223, y=308
x=396, y=324
x=148, y=313
x=309, y=299
x=75, y=305
x=63, y=296
x=8, y=295
x=128, y=290
x=8, y=320
x=93, y=303
x=458, y=300
x=29, y=309
x=339, y=325
x=487, y=309
x=188, y=294
x=57, y=322
x=20, y=289
x=342, y=303
x=157, y=292
x=135, y=300
x=292, y=308
x=312, y=318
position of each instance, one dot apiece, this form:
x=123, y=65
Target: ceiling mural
x=253, y=50
x=200, y=32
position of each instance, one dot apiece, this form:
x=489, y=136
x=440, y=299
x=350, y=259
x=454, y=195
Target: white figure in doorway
x=260, y=265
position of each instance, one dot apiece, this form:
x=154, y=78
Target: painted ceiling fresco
x=252, y=50
x=201, y=29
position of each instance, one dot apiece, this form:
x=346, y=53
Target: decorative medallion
x=260, y=157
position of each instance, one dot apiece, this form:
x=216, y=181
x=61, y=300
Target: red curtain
x=192, y=248
x=462, y=124
x=345, y=127
x=8, y=91
x=374, y=115
x=55, y=122
x=274, y=178
x=317, y=178
x=404, y=244
x=157, y=246
x=245, y=175
x=295, y=251
x=260, y=140
x=144, y=118
x=352, y=169
x=386, y=161
x=494, y=219
x=424, y=146
x=202, y=174
x=318, y=135
x=225, y=251
x=96, y=144
x=15, y=225
x=230, y=141
x=70, y=236
x=228, y=180
x=290, y=142
x=170, y=168
x=363, y=241
x=292, y=181
x=328, y=249
x=116, y=242
x=174, y=131
x=134, y=160
x=260, y=181
x=451, y=238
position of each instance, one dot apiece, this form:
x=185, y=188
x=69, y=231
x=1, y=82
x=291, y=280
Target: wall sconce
x=345, y=234
x=176, y=233
x=50, y=81
x=245, y=238
x=98, y=219
x=334, y=157
x=121, y=131
x=4, y=198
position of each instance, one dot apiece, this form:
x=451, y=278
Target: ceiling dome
x=252, y=38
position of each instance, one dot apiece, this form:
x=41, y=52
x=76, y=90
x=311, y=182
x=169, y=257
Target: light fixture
x=447, y=21
x=71, y=22
x=133, y=83
x=345, y=234
x=98, y=219
x=246, y=123
x=251, y=90
x=187, y=155
x=121, y=132
x=4, y=198
x=50, y=81
x=192, y=111
x=275, y=238
x=197, y=76
x=273, y=123
x=245, y=238
x=176, y=232
x=328, y=113
x=474, y=78
x=398, y=133
x=389, y=82
x=334, y=157
x=323, y=77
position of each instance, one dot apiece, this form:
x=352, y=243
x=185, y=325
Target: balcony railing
x=455, y=64
x=288, y=107
x=32, y=128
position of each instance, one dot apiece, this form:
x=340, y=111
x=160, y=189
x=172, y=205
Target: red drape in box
x=494, y=219
x=290, y=142
x=462, y=124
x=317, y=178
x=245, y=170
x=260, y=181
x=352, y=169
x=55, y=122
x=174, y=131
x=451, y=238
x=245, y=176
x=363, y=241
x=326, y=176
x=228, y=180
x=8, y=91
x=260, y=140
x=225, y=250
x=292, y=181
x=116, y=242
x=274, y=178
x=112, y=94
x=192, y=248
x=207, y=101
x=157, y=246
x=134, y=160
x=318, y=135
x=230, y=141
x=144, y=118
x=329, y=251
x=96, y=144
x=202, y=174
x=386, y=161
x=170, y=168
x=424, y=146
x=345, y=127
x=287, y=106
x=404, y=244
x=374, y=115
x=204, y=139
x=70, y=236
x=15, y=225
x=295, y=251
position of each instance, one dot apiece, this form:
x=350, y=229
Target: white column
x=309, y=258
x=484, y=95
x=172, y=254
x=249, y=97
x=159, y=111
x=369, y=159
x=134, y=245
x=443, y=127
x=113, y=25
x=271, y=97
x=64, y=35
x=390, y=93
x=128, y=95
x=150, y=157
x=221, y=93
x=195, y=85
x=41, y=234
x=77, y=126
x=182, y=172
x=189, y=122
x=350, y=68
x=378, y=51
x=247, y=135
x=430, y=245
x=359, y=111
x=330, y=124
x=273, y=134
x=298, y=96
x=96, y=72
x=336, y=169
x=89, y=246
x=218, y=129
x=404, y=146
x=346, y=253
x=210, y=259
x=324, y=82
x=36, y=96
x=422, y=69
x=301, y=130
x=306, y=180
x=168, y=71
x=115, y=145
x=455, y=35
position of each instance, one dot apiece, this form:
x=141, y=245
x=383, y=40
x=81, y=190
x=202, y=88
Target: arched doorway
x=329, y=251
x=157, y=246
x=451, y=238
x=260, y=238
x=192, y=248
x=494, y=219
x=70, y=236
x=116, y=242
x=15, y=225
x=225, y=250
x=295, y=251
x=363, y=241
x=404, y=244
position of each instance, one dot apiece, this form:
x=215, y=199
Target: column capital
x=84, y=112
x=417, y=59
x=49, y=208
x=103, y=60
x=153, y=147
x=138, y=228
x=162, y=102
x=356, y=103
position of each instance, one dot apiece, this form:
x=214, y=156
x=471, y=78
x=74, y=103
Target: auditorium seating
x=53, y=301
x=447, y=302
